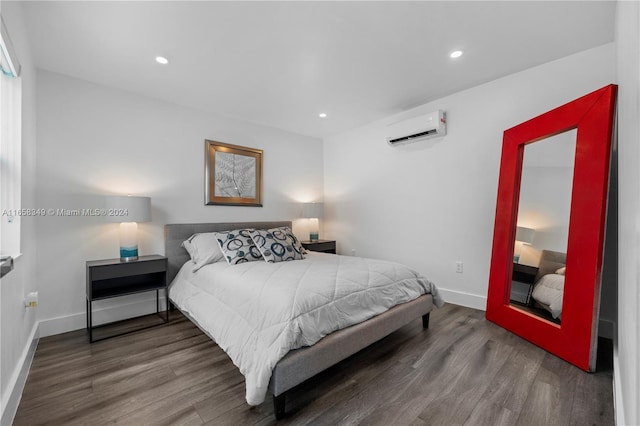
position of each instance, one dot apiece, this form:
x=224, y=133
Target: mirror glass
x=542, y=231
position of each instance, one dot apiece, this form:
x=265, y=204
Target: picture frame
x=233, y=175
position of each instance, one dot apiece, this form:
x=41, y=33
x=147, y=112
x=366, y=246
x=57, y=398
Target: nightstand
x=525, y=274
x=324, y=246
x=114, y=278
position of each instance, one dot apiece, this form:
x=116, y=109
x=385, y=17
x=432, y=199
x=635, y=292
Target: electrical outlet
x=459, y=266
x=31, y=301
x=353, y=252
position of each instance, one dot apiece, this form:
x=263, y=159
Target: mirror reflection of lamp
x=128, y=211
x=313, y=211
x=523, y=236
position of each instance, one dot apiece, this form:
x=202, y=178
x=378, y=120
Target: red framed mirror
x=570, y=329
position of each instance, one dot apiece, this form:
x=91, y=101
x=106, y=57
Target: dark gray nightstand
x=525, y=274
x=114, y=278
x=324, y=246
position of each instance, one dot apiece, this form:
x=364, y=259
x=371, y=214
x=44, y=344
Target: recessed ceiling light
x=322, y=115
x=162, y=60
x=455, y=54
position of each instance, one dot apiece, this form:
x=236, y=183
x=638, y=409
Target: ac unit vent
x=417, y=135
x=417, y=128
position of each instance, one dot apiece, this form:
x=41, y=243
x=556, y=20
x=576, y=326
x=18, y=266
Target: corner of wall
x=11, y=399
x=627, y=342
x=19, y=335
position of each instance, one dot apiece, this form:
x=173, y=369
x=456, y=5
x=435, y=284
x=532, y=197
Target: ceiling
x=282, y=63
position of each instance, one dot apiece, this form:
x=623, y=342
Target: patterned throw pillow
x=296, y=242
x=277, y=244
x=237, y=246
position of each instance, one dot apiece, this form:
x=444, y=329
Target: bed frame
x=301, y=364
x=550, y=261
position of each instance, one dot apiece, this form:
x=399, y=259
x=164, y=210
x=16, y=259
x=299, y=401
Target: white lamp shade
x=312, y=210
x=525, y=235
x=128, y=209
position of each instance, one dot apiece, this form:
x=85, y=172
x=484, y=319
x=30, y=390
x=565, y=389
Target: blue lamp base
x=128, y=254
x=128, y=241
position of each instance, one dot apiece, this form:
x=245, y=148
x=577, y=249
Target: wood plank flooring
x=463, y=370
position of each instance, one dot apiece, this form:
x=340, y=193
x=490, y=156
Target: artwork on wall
x=233, y=175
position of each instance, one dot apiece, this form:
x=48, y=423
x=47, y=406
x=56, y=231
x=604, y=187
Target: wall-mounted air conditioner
x=416, y=129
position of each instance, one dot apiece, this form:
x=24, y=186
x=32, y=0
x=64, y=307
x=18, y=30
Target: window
x=10, y=146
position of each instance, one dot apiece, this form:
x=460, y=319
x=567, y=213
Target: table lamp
x=523, y=236
x=128, y=211
x=313, y=211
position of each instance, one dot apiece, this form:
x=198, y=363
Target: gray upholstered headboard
x=550, y=261
x=175, y=234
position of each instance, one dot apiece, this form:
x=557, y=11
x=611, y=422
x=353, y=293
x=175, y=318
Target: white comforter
x=550, y=290
x=258, y=311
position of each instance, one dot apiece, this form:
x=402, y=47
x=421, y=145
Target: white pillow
x=203, y=249
x=560, y=271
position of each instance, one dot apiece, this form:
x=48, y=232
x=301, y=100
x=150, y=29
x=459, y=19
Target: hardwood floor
x=463, y=370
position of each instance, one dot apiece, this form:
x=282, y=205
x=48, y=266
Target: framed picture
x=233, y=175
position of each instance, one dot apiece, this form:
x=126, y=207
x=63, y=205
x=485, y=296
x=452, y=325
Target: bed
x=189, y=290
x=548, y=289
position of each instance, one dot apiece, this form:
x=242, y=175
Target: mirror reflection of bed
x=543, y=226
x=547, y=287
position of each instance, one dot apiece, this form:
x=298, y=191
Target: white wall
x=545, y=203
x=17, y=324
x=432, y=203
x=627, y=373
x=94, y=141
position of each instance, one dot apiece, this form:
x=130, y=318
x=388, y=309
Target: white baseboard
x=464, y=299
x=78, y=321
x=19, y=378
x=618, y=401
